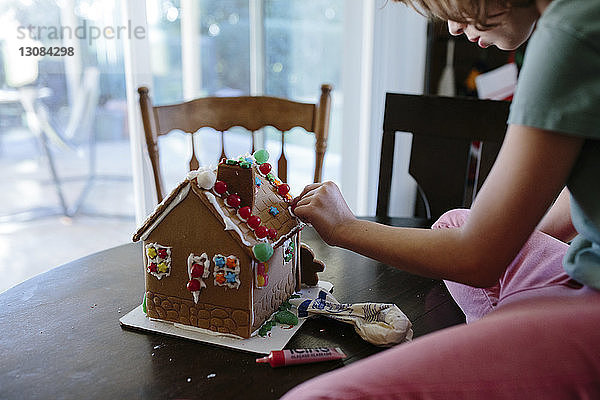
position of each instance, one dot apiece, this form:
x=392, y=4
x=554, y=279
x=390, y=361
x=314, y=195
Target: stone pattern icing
x=206, y=316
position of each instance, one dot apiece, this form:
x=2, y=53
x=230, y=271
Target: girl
x=532, y=301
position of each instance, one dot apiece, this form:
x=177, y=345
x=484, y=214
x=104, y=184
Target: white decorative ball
x=206, y=178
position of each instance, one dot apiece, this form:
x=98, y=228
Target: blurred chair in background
x=222, y=113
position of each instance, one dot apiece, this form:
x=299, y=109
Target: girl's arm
x=531, y=169
x=557, y=221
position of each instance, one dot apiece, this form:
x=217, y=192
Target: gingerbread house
x=221, y=252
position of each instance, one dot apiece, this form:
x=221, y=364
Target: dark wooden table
x=60, y=334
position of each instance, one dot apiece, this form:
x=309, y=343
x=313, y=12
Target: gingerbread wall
x=192, y=228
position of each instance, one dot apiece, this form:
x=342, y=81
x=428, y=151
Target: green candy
x=286, y=317
x=262, y=251
x=144, y=309
x=261, y=156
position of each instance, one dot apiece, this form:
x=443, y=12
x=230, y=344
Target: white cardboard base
x=276, y=339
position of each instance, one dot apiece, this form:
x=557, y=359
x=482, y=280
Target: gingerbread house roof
x=268, y=203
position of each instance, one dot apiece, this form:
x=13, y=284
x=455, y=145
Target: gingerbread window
x=198, y=271
x=227, y=271
x=159, y=260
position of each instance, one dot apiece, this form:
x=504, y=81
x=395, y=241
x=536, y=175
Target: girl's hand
x=323, y=206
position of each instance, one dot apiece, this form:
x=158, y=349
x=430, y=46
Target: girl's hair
x=463, y=11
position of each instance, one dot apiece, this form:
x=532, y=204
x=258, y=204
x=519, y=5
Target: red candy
x=261, y=231
x=153, y=267
x=197, y=270
x=245, y=212
x=193, y=285
x=220, y=187
x=283, y=189
x=254, y=221
x=272, y=234
x=265, y=168
x=162, y=253
x=233, y=200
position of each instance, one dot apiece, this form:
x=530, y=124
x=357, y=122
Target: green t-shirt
x=559, y=90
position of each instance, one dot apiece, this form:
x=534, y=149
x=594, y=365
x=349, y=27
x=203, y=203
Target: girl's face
x=512, y=27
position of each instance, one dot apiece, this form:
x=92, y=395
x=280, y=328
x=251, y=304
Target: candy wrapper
x=377, y=323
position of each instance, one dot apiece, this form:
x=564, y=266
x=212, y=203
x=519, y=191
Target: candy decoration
x=193, y=285
x=261, y=232
x=262, y=251
x=197, y=270
x=220, y=278
x=272, y=234
x=273, y=211
x=162, y=267
x=257, y=181
x=231, y=262
x=206, y=179
x=219, y=261
x=230, y=277
x=245, y=212
x=233, y=200
x=254, y=221
x=151, y=252
x=220, y=187
x=265, y=168
x=283, y=189
x=227, y=271
x=159, y=260
x=262, y=275
x=261, y=156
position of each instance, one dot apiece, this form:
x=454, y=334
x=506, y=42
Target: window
x=203, y=48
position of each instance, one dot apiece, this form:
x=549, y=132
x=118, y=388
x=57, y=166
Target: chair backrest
x=446, y=131
x=222, y=113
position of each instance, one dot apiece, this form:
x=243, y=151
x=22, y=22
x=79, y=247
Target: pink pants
x=534, y=335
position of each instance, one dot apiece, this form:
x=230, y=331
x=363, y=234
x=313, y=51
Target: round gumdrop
x=265, y=168
x=261, y=156
x=283, y=189
x=245, y=212
x=197, y=270
x=261, y=231
x=272, y=234
x=220, y=187
x=253, y=221
x=260, y=280
x=262, y=251
x=233, y=200
x=193, y=285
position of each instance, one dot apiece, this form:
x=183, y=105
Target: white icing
x=178, y=199
x=229, y=224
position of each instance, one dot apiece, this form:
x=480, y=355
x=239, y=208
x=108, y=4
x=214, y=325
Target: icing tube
x=281, y=358
x=377, y=323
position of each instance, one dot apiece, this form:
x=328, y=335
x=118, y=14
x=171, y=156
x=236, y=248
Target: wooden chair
x=441, y=161
x=222, y=113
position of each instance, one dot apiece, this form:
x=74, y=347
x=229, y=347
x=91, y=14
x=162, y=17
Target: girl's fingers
x=307, y=188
